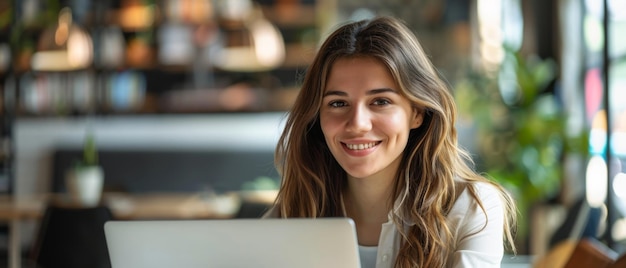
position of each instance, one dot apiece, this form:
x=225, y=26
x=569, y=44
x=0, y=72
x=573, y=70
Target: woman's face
x=365, y=119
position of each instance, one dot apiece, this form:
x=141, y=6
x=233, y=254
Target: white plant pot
x=85, y=185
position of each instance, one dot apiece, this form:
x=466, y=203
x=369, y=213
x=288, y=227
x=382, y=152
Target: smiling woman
x=372, y=137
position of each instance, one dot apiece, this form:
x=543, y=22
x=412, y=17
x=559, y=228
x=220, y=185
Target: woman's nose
x=359, y=120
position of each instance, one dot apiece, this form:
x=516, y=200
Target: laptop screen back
x=327, y=242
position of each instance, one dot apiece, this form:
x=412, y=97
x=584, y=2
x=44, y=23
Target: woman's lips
x=361, y=146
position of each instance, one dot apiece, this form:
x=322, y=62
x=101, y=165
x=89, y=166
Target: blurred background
x=189, y=95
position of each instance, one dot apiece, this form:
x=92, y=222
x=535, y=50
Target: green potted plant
x=520, y=130
x=85, y=179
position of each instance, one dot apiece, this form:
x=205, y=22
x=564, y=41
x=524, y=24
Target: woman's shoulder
x=473, y=195
x=477, y=202
x=486, y=192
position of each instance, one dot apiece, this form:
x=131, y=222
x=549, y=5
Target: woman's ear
x=418, y=118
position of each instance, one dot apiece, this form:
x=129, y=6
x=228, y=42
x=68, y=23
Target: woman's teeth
x=362, y=146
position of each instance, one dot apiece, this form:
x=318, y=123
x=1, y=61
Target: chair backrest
x=557, y=256
x=591, y=253
x=252, y=210
x=72, y=237
x=620, y=262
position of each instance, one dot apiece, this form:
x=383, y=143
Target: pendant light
x=63, y=47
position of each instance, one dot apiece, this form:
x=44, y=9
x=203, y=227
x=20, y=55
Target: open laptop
x=304, y=243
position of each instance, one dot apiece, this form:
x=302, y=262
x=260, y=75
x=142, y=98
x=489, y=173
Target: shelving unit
x=6, y=101
x=150, y=57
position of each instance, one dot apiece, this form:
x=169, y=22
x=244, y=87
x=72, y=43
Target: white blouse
x=478, y=242
x=368, y=256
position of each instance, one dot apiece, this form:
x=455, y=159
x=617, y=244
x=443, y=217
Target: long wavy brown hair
x=433, y=164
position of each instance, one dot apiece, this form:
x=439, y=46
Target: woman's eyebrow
x=369, y=92
x=335, y=93
x=381, y=90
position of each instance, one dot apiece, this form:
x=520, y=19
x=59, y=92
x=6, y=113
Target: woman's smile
x=361, y=146
x=360, y=149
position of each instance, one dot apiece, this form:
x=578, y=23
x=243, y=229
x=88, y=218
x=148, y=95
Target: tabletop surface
x=166, y=205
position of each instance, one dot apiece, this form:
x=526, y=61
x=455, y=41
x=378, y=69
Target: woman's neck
x=368, y=200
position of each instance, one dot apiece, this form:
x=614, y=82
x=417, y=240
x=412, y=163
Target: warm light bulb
x=79, y=50
x=63, y=28
x=268, y=44
x=60, y=35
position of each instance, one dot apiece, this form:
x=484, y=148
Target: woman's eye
x=337, y=104
x=381, y=102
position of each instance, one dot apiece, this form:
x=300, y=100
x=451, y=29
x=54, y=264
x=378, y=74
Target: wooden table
x=14, y=210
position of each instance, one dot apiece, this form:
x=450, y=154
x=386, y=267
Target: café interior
x=171, y=110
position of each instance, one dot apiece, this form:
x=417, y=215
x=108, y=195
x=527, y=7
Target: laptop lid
x=322, y=242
